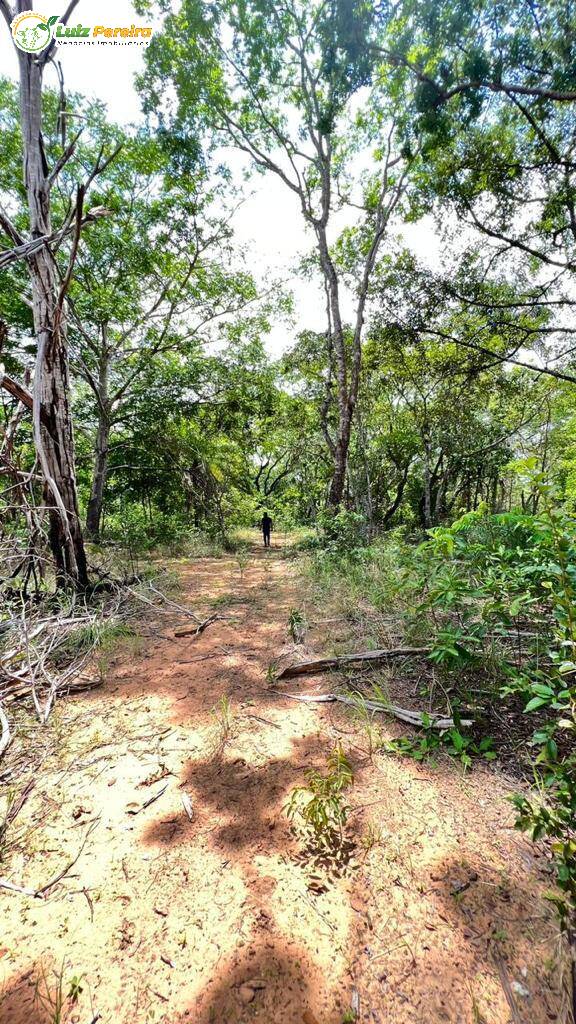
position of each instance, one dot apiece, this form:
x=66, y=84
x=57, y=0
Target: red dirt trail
x=440, y=916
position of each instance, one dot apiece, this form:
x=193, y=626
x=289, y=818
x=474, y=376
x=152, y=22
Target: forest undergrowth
x=492, y=598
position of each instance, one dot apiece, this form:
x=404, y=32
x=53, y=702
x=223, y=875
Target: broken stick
x=327, y=664
x=136, y=810
x=196, y=630
x=187, y=805
x=40, y=893
x=417, y=718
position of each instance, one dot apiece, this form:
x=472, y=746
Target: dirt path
x=440, y=917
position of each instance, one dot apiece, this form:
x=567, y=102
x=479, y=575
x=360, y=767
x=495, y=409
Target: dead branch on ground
x=5, y=735
x=196, y=630
x=361, y=657
x=416, y=718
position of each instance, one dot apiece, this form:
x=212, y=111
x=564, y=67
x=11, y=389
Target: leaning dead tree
x=51, y=409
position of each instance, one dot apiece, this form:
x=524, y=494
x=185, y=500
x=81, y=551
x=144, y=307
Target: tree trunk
x=369, y=503
x=338, y=482
x=494, y=494
x=390, y=512
x=101, y=447
x=53, y=435
x=427, y=497
x=57, y=460
x=99, y=476
x=347, y=385
x=440, y=498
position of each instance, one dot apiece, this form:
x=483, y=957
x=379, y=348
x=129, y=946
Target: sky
x=268, y=224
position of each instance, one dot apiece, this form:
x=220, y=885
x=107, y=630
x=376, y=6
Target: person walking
x=266, y=525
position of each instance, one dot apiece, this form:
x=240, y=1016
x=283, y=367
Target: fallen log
x=196, y=630
x=327, y=664
x=416, y=718
x=80, y=685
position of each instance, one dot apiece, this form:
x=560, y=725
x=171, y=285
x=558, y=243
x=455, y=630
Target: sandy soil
x=439, y=917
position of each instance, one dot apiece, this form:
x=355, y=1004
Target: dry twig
x=196, y=630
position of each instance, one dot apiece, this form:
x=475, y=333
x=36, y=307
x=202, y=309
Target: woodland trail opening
x=202, y=909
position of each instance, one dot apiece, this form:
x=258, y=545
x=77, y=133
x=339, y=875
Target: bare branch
x=10, y=229
x=63, y=160
x=16, y=390
x=48, y=53
x=6, y=12
x=502, y=357
x=5, y=735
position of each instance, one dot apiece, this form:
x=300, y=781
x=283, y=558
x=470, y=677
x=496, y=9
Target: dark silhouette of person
x=266, y=525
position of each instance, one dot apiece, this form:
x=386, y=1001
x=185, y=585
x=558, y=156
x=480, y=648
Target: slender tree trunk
x=392, y=509
x=101, y=449
x=476, y=492
x=439, y=501
x=426, y=480
x=51, y=408
x=369, y=503
x=494, y=495
x=347, y=386
x=99, y=476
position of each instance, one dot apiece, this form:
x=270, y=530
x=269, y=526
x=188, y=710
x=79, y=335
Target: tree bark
x=347, y=390
x=101, y=449
x=99, y=476
x=53, y=435
x=427, y=496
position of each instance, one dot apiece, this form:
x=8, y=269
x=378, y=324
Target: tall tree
x=155, y=278
x=292, y=87
x=52, y=419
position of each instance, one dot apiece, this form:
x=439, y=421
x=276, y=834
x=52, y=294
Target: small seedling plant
x=242, y=558
x=450, y=741
x=320, y=806
x=51, y=997
x=223, y=719
x=365, y=718
x=297, y=625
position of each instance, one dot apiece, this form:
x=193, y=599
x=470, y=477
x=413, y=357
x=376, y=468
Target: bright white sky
x=268, y=223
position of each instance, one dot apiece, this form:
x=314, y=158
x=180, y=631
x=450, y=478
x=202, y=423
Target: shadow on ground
x=431, y=928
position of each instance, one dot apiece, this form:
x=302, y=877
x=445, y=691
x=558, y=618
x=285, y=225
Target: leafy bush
x=553, y=816
x=451, y=741
x=487, y=580
x=342, y=532
x=495, y=598
x=170, y=534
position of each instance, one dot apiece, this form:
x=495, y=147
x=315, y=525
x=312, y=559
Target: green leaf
x=536, y=702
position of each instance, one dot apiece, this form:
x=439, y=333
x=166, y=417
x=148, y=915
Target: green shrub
x=342, y=532
x=170, y=534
